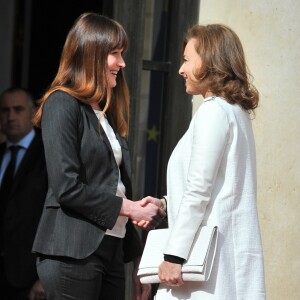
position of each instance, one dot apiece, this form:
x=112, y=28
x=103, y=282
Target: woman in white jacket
x=211, y=176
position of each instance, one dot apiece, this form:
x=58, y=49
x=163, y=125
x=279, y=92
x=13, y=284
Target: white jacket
x=211, y=179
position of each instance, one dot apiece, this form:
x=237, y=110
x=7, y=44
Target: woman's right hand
x=152, y=200
x=147, y=216
x=144, y=202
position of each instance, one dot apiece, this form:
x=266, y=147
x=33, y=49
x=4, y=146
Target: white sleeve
x=210, y=137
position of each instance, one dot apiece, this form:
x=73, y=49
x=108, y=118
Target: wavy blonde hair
x=83, y=70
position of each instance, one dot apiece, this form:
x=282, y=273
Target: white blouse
x=119, y=229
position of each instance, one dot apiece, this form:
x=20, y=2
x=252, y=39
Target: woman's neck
x=209, y=94
x=95, y=106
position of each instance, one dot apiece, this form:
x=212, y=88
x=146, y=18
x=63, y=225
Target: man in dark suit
x=22, y=194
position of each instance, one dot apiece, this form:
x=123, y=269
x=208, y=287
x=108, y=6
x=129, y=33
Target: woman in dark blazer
x=85, y=223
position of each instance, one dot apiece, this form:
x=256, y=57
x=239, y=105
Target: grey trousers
x=100, y=276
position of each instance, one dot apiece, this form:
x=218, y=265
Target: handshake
x=146, y=213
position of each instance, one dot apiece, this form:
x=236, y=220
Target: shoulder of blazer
x=61, y=105
x=75, y=110
x=34, y=155
x=61, y=99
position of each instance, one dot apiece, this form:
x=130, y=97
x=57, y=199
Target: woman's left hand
x=141, y=291
x=37, y=291
x=170, y=274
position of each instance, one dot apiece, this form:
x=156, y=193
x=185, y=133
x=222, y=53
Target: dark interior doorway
x=40, y=31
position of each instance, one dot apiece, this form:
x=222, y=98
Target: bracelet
x=163, y=201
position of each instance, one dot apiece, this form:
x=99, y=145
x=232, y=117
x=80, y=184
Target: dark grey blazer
x=81, y=202
x=22, y=215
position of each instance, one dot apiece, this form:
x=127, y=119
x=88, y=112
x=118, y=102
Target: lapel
x=99, y=129
x=34, y=152
x=96, y=124
x=123, y=143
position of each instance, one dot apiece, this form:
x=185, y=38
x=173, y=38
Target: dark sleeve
x=132, y=246
x=174, y=259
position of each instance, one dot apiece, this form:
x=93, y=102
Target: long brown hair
x=83, y=68
x=223, y=64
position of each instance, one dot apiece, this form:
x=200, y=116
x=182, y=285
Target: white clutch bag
x=198, y=265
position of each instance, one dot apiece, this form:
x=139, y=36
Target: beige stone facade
x=269, y=31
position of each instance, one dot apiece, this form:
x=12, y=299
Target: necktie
x=8, y=177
